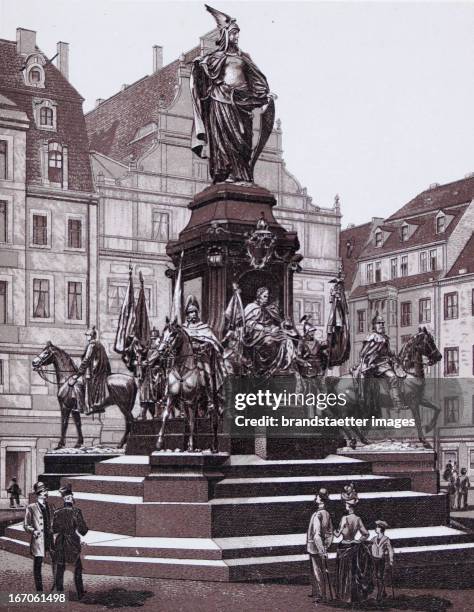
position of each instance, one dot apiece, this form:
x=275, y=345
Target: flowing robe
x=223, y=116
x=95, y=368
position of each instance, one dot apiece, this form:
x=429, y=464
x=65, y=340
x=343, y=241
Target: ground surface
x=111, y=593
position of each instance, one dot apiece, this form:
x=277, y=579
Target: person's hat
x=463, y=471
x=191, y=304
x=14, y=479
x=92, y=332
x=155, y=333
x=377, y=319
x=349, y=495
x=323, y=495
x=382, y=524
x=40, y=487
x=66, y=490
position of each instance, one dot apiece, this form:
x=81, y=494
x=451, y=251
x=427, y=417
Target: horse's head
x=45, y=357
x=171, y=338
x=426, y=345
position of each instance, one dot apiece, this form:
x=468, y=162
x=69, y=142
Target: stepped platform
x=228, y=518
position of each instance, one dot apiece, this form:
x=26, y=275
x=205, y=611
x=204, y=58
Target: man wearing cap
x=90, y=382
x=14, y=492
x=38, y=522
x=318, y=540
x=380, y=548
x=377, y=360
x=68, y=522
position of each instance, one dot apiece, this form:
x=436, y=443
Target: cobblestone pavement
x=111, y=593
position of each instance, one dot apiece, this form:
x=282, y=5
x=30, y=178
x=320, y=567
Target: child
x=380, y=548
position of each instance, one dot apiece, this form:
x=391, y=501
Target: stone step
x=224, y=517
x=109, y=485
x=305, y=485
x=126, y=465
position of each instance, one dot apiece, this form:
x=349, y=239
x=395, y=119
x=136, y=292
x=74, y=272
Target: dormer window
x=45, y=114
x=46, y=117
x=378, y=238
x=404, y=233
x=35, y=76
x=33, y=72
x=440, y=224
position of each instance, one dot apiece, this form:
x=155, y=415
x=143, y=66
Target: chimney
x=157, y=58
x=63, y=58
x=98, y=102
x=124, y=87
x=25, y=41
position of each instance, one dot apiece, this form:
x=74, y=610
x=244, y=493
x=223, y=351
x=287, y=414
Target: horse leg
x=436, y=410
x=164, y=416
x=415, y=409
x=65, y=412
x=77, y=422
x=189, y=411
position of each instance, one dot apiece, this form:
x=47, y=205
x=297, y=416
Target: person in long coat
x=318, y=541
x=38, y=522
x=69, y=525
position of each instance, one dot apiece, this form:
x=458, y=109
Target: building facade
x=48, y=255
x=415, y=269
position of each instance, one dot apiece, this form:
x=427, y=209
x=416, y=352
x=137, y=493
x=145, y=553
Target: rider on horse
x=208, y=352
x=378, y=361
x=90, y=382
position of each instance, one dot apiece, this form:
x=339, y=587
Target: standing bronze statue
x=226, y=88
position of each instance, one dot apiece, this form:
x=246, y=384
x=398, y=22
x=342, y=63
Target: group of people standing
x=458, y=486
x=360, y=563
x=55, y=533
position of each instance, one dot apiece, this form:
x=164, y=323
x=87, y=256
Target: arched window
x=35, y=76
x=55, y=166
x=46, y=116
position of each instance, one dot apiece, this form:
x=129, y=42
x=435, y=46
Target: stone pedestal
x=186, y=477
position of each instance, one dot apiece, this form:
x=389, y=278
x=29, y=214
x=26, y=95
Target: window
x=74, y=233
x=55, y=166
x=404, y=266
x=451, y=410
x=160, y=226
x=370, y=273
x=471, y=459
x=405, y=309
x=440, y=224
x=74, y=301
x=1, y=372
x=378, y=271
x=41, y=298
x=116, y=294
x=404, y=233
x=3, y=221
x=3, y=159
x=451, y=361
x=378, y=239
x=472, y=302
x=3, y=302
x=314, y=308
x=451, y=305
x=425, y=310
x=433, y=260
x=40, y=230
x=423, y=261
x=392, y=312
x=35, y=75
x=361, y=321
x=349, y=248
x=46, y=116
x=394, y=268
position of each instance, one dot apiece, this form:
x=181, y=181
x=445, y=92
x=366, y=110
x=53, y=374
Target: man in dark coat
x=38, y=521
x=90, y=382
x=68, y=522
x=14, y=492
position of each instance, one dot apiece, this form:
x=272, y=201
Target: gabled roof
x=357, y=237
x=465, y=261
x=424, y=233
x=451, y=194
x=71, y=128
x=113, y=124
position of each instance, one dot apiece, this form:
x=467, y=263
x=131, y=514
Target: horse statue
x=184, y=388
x=122, y=391
x=418, y=348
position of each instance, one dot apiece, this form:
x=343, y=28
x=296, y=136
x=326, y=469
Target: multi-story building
x=415, y=268
x=47, y=244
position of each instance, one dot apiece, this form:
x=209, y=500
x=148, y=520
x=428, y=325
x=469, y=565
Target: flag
x=177, y=295
x=126, y=322
x=142, y=322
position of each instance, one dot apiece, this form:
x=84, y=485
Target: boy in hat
x=462, y=487
x=14, y=491
x=68, y=522
x=38, y=520
x=380, y=548
x=318, y=540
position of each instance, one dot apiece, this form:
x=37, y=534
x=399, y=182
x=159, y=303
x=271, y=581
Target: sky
x=375, y=98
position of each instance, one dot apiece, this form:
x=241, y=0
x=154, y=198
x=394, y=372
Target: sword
x=325, y=565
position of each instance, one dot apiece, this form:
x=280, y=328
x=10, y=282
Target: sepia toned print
x=213, y=393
